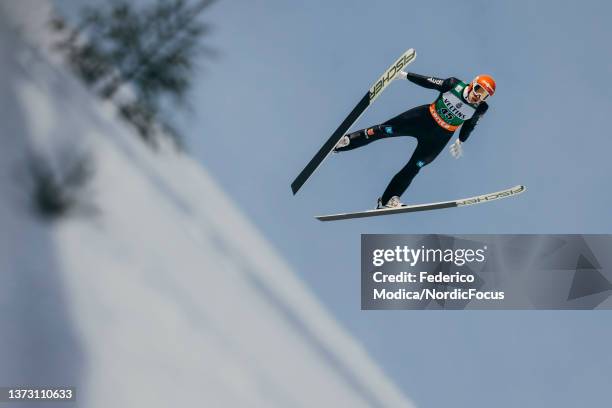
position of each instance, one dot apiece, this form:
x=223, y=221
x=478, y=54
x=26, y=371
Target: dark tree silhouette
x=151, y=51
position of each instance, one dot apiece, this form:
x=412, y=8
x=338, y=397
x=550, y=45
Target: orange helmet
x=485, y=82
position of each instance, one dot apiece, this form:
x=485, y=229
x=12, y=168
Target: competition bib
x=450, y=110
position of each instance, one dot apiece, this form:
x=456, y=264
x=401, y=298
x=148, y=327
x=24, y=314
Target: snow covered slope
x=167, y=295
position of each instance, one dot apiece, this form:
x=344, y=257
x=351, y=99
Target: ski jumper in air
x=459, y=104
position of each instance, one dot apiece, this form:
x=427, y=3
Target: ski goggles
x=480, y=91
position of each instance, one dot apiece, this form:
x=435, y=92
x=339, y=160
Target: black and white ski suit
x=418, y=123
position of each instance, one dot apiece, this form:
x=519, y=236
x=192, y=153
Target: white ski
x=370, y=96
x=510, y=192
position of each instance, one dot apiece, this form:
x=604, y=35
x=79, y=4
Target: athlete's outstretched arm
x=430, y=82
x=470, y=124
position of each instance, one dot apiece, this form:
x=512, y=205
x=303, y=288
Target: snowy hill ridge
x=167, y=295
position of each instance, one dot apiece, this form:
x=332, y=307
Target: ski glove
x=456, y=149
x=401, y=75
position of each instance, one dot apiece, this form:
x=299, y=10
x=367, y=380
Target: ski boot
x=394, y=202
x=343, y=142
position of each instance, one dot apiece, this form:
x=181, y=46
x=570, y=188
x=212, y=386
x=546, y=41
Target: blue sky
x=289, y=72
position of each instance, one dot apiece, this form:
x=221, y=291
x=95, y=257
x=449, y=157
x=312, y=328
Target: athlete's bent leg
x=365, y=136
x=400, y=182
x=424, y=154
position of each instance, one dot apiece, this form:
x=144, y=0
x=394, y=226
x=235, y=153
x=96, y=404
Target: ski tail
x=374, y=92
x=324, y=151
